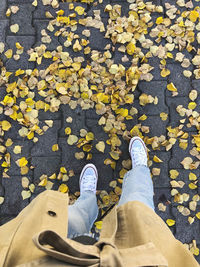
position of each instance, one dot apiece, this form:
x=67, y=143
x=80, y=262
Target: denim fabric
x=137, y=185
x=82, y=214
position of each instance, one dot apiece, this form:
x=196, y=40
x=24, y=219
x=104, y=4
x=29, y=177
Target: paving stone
x=185, y=232
x=13, y=202
x=3, y=27
x=181, y=82
x=26, y=149
x=48, y=115
x=99, y=135
x=40, y=25
x=45, y=165
x=39, y=12
x=174, y=117
x=78, y=122
x=163, y=195
x=163, y=179
x=3, y=9
x=154, y=88
x=101, y=7
x=23, y=63
x=157, y=127
x=24, y=19
x=97, y=39
x=178, y=154
x=44, y=145
x=2, y=191
x=155, y=62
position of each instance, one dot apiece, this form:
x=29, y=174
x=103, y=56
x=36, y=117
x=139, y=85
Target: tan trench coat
x=132, y=236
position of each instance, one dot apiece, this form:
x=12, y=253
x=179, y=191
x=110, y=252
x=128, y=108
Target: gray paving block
x=97, y=39
x=178, y=154
x=186, y=232
x=40, y=25
x=44, y=145
x=163, y=179
x=26, y=149
x=45, y=165
x=172, y=103
x=23, y=63
x=176, y=76
x=157, y=127
x=154, y=88
x=78, y=121
x=13, y=202
x=155, y=62
x=48, y=115
x=24, y=19
x=3, y=9
x=3, y=27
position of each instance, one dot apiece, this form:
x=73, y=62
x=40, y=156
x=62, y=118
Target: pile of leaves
x=78, y=75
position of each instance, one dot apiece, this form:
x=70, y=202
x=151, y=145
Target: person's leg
x=83, y=213
x=137, y=183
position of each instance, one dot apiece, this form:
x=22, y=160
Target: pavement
x=31, y=21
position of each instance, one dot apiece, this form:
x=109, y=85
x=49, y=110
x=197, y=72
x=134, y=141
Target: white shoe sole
x=83, y=170
x=134, y=139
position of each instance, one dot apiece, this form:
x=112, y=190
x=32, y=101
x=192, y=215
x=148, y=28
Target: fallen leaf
x=100, y=146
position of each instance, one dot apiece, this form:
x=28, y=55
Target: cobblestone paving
x=31, y=21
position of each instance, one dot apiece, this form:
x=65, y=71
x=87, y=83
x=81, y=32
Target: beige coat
x=132, y=236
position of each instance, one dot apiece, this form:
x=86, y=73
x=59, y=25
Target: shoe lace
x=88, y=182
x=138, y=159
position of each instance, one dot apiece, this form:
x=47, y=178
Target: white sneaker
x=88, y=178
x=138, y=152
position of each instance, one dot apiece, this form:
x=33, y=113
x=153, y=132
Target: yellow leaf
x=9, y=142
x=114, y=155
x=130, y=48
x=26, y=194
x=63, y=188
x=19, y=72
x=8, y=53
x=192, y=176
x=89, y=136
x=165, y=72
x=183, y=145
x=30, y=135
x=171, y=87
x=192, y=105
x=87, y=147
x=24, y=170
x=5, y=125
x=34, y=3
x=72, y=139
x=98, y=225
x=170, y=222
x=193, y=15
x=18, y=46
x=14, y=28
x=198, y=215
x=53, y=176
x=192, y=186
x=173, y=174
x=100, y=146
x=159, y=20
x=163, y=116
x=17, y=149
x=55, y=147
x=143, y=117
x=80, y=10
x=156, y=159
x=63, y=170
x=22, y=162
x=1, y=200
x=47, y=54
x=43, y=182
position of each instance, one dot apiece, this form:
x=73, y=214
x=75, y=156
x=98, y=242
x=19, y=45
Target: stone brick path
x=31, y=21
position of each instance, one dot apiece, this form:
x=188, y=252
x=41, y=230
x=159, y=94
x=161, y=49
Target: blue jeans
x=137, y=185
